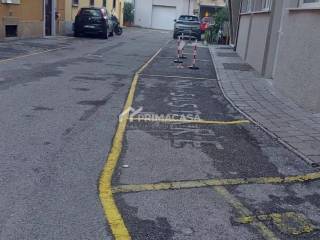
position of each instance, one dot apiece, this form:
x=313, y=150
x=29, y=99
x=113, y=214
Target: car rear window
x=91, y=12
x=189, y=18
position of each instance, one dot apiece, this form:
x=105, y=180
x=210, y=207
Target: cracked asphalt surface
x=59, y=112
x=167, y=152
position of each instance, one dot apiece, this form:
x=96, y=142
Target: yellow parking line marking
x=176, y=185
x=170, y=76
x=289, y=223
x=31, y=54
x=188, y=121
x=243, y=211
x=114, y=218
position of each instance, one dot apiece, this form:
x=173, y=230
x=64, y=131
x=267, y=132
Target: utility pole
x=189, y=8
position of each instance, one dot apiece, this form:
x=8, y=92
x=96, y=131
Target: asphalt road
x=59, y=111
x=214, y=178
x=158, y=154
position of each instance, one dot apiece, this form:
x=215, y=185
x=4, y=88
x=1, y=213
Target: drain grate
x=237, y=66
x=227, y=54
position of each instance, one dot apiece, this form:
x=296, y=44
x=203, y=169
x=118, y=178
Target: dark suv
x=188, y=26
x=93, y=21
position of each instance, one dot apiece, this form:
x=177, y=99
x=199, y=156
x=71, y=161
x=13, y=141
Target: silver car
x=187, y=25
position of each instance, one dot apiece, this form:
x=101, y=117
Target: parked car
x=205, y=23
x=188, y=26
x=93, y=20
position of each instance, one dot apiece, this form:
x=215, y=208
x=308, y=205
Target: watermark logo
x=137, y=115
x=151, y=117
x=130, y=112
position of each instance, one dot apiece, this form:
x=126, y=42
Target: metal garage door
x=163, y=17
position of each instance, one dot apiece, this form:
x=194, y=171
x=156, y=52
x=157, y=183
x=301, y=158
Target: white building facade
x=160, y=14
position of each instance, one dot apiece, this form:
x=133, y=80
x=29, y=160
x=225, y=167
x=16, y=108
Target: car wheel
x=105, y=35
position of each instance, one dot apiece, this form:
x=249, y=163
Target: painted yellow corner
x=242, y=211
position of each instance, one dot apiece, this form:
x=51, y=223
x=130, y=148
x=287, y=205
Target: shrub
x=212, y=33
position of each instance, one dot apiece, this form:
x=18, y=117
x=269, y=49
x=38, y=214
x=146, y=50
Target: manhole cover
x=237, y=66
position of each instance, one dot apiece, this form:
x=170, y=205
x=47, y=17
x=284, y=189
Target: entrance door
x=48, y=19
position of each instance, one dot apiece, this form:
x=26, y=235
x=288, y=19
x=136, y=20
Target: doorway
x=48, y=17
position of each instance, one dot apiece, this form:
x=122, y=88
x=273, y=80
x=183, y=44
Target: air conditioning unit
x=11, y=1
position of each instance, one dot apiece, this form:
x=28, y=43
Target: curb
x=258, y=124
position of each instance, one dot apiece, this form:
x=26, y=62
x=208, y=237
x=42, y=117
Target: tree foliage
x=212, y=33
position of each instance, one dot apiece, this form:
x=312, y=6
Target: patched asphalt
x=165, y=152
x=59, y=114
x=162, y=65
x=59, y=111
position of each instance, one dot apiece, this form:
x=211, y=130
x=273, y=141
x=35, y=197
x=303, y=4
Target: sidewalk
x=256, y=98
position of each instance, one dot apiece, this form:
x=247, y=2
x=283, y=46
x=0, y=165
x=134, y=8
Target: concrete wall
x=252, y=38
x=297, y=72
x=257, y=40
x=143, y=10
x=28, y=16
x=258, y=37
x=273, y=39
x=243, y=36
x=143, y=13
x=284, y=45
x=234, y=9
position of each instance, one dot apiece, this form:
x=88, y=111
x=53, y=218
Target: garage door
x=163, y=17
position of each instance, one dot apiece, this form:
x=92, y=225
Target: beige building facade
x=21, y=18
x=278, y=38
x=38, y=18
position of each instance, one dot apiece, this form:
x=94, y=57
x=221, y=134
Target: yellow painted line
x=243, y=211
x=114, y=218
x=176, y=185
x=188, y=121
x=173, y=76
x=290, y=223
x=31, y=54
